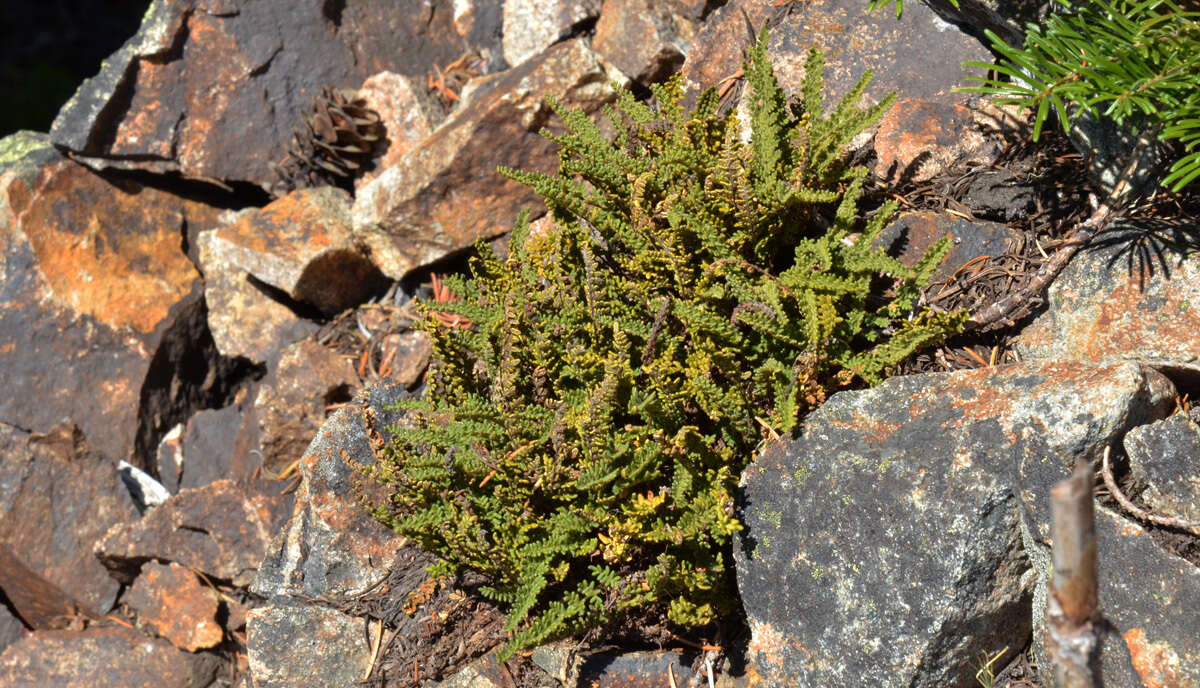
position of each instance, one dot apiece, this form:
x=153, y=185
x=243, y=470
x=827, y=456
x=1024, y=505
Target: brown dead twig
x=1073, y=604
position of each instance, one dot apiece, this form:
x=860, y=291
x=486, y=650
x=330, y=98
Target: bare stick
x=1073, y=605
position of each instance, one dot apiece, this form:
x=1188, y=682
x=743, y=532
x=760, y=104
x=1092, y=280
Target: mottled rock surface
x=646, y=40
x=58, y=496
x=445, y=194
x=1165, y=455
x=1133, y=294
x=221, y=529
x=213, y=90
x=102, y=658
x=92, y=281
x=302, y=245
x=172, y=601
x=293, y=644
x=331, y=546
x=873, y=555
x=531, y=26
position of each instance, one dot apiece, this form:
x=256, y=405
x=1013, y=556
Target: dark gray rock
x=882, y=547
x=1166, y=456
x=998, y=195
x=331, y=546
x=221, y=529
x=11, y=628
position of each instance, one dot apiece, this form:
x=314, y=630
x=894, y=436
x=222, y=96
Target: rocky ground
x=207, y=275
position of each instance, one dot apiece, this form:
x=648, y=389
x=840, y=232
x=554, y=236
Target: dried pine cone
x=336, y=141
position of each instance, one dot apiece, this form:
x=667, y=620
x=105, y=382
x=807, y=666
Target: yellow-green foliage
x=581, y=443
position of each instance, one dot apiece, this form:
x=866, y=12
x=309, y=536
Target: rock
x=911, y=234
x=302, y=245
x=919, y=56
x=1149, y=599
x=719, y=47
x=292, y=644
x=214, y=91
x=96, y=299
x=103, y=658
x=221, y=529
x=331, y=546
x=202, y=451
x=245, y=320
x=291, y=402
x=1165, y=455
x=445, y=194
x=408, y=115
x=873, y=556
x=412, y=352
x=1129, y=295
x=999, y=195
x=531, y=26
x=171, y=600
x=58, y=495
x=646, y=40
x=42, y=605
x=11, y=629
x=918, y=139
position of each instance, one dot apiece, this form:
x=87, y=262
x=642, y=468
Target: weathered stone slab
x=911, y=234
x=244, y=318
x=1165, y=455
x=58, y=496
x=291, y=401
x=407, y=114
x=1132, y=295
x=646, y=40
x=213, y=91
x=331, y=546
x=92, y=285
x=882, y=547
x=292, y=644
x=103, y=658
x=221, y=529
x=171, y=600
x=445, y=194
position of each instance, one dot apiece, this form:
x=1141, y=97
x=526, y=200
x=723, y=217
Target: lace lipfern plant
x=580, y=443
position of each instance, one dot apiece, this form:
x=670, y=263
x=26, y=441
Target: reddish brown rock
x=646, y=40
x=221, y=529
x=446, y=194
x=917, y=139
x=42, y=605
x=214, y=92
x=302, y=245
x=720, y=45
x=92, y=285
x=172, y=601
x=58, y=496
x=407, y=112
x=102, y=658
x=911, y=234
x=245, y=320
x=291, y=402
